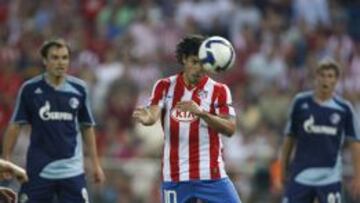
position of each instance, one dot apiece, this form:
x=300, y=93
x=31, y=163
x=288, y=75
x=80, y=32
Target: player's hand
x=19, y=173
x=142, y=115
x=7, y=195
x=189, y=106
x=9, y=170
x=99, y=176
x=355, y=188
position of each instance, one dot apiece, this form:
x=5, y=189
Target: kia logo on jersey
x=183, y=116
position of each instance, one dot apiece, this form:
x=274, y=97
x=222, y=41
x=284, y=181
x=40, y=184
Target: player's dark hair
x=329, y=64
x=54, y=42
x=188, y=46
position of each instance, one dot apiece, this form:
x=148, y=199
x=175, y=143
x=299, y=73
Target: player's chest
x=314, y=117
x=319, y=113
x=202, y=98
x=43, y=101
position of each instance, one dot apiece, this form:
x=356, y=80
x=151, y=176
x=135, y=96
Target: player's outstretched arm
x=10, y=138
x=226, y=126
x=9, y=170
x=90, y=143
x=355, y=186
x=147, y=115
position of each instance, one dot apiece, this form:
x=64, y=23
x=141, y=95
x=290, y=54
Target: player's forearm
x=355, y=151
x=222, y=125
x=286, y=151
x=90, y=144
x=284, y=160
x=10, y=139
x=4, y=164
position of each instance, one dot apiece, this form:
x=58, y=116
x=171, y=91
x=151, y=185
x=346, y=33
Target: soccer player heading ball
x=56, y=106
x=195, y=111
x=319, y=121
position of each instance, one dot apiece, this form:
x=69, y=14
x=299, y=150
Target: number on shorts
x=85, y=195
x=334, y=197
x=170, y=196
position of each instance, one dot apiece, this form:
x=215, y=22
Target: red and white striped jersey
x=192, y=149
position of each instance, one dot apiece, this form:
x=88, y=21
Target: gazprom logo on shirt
x=310, y=127
x=183, y=116
x=45, y=114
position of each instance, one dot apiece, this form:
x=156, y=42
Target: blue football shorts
x=41, y=190
x=209, y=191
x=298, y=193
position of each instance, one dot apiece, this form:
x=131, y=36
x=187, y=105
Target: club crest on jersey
x=285, y=200
x=23, y=198
x=74, y=103
x=203, y=94
x=335, y=118
x=46, y=114
x=305, y=106
x=183, y=116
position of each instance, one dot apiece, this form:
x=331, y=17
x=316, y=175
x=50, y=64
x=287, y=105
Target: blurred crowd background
x=121, y=47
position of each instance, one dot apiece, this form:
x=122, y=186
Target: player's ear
x=183, y=59
x=44, y=60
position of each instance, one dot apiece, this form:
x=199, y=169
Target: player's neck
x=322, y=96
x=187, y=82
x=54, y=80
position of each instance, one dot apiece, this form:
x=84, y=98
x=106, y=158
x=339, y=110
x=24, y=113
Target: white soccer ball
x=216, y=54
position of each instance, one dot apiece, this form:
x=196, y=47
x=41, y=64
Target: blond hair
x=328, y=64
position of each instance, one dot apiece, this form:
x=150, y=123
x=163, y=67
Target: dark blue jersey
x=320, y=130
x=55, y=116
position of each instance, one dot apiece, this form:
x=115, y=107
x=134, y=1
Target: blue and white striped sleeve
x=290, y=128
x=21, y=113
x=85, y=116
